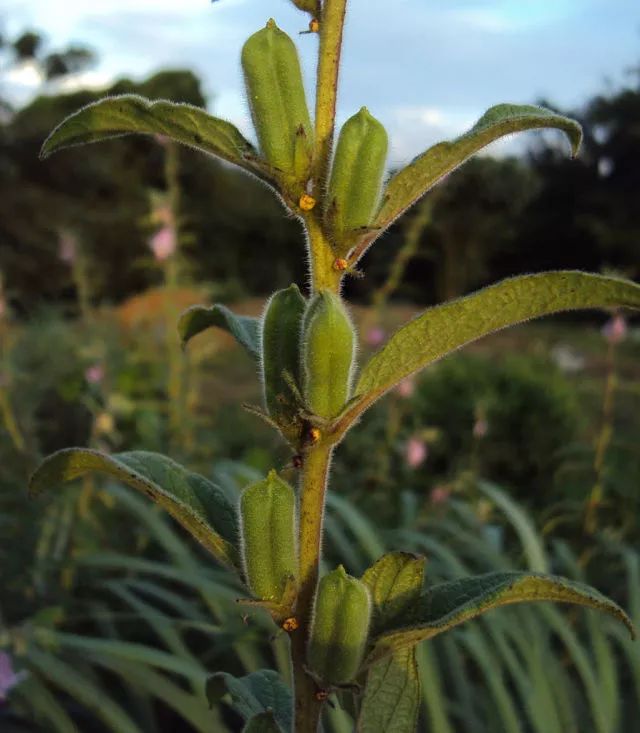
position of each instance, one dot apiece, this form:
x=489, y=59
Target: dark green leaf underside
x=256, y=693
x=196, y=503
x=198, y=318
x=262, y=723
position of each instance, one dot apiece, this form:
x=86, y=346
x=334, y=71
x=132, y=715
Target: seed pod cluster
x=277, y=99
x=268, y=530
x=340, y=627
x=356, y=175
x=328, y=354
x=281, y=337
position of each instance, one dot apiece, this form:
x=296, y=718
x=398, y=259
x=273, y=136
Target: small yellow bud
x=340, y=264
x=314, y=435
x=306, y=202
x=314, y=26
x=290, y=624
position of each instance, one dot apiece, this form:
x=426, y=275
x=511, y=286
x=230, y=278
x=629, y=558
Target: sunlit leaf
x=449, y=604
x=392, y=695
x=256, y=693
x=413, y=181
x=392, y=691
x=198, y=318
x=196, y=503
x=394, y=582
x=444, y=328
x=129, y=113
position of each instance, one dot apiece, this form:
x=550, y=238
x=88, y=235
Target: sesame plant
x=352, y=640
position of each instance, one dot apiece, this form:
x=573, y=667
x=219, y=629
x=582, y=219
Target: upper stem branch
x=331, y=27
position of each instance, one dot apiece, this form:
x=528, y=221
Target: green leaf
x=425, y=171
x=392, y=695
x=443, y=329
x=198, y=318
x=256, y=693
x=392, y=692
x=394, y=582
x=262, y=723
x=196, y=503
x=129, y=113
x=449, y=604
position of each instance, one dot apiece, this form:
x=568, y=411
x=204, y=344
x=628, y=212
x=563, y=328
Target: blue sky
x=426, y=68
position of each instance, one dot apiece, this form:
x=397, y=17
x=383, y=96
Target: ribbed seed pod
x=328, y=353
x=309, y=5
x=356, y=175
x=268, y=526
x=281, y=336
x=277, y=99
x=340, y=627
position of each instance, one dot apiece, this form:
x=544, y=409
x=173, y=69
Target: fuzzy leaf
x=129, y=113
x=196, y=503
x=413, y=181
x=443, y=329
x=256, y=693
x=449, y=604
x=392, y=695
x=198, y=318
x=262, y=723
x=394, y=582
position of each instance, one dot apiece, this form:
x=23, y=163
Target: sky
x=426, y=68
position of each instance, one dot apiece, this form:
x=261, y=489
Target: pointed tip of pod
x=271, y=23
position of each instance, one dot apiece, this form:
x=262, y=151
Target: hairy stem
x=312, y=496
x=321, y=257
x=331, y=26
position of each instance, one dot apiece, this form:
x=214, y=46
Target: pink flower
x=375, y=336
x=440, y=495
x=94, y=374
x=163, y=243
x=406, y=388
x=615, y=329
x=480, y=428
x=416, y=452
x=67, y=248
x=8, y=678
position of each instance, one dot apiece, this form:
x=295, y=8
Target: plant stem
x=331, y=27
x=602, y=443
x=307, y=708
x=321, y=257
x=312, y=494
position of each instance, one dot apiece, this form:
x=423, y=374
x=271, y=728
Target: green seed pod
x=356, y=175
x=339, y=629
x=309, y=5
x=277, y=98
x=281, y=335
x=328, y=354
x=268, y=531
